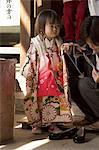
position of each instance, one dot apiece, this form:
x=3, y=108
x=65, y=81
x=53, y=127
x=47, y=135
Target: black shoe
x=79, y=136
x=69, y=133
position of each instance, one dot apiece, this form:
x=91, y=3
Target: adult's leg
x=80, y=16
x=76, y=87
x=69, y=16
x=90, y=93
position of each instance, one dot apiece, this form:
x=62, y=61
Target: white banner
x=9, y=12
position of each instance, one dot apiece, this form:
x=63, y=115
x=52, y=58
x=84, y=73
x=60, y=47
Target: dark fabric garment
x=74, y=14
x=85, y=94
x=84, y=91
x=82, y=64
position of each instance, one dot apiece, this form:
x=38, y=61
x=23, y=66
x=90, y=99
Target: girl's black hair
x=43, y=16
x=90, y=29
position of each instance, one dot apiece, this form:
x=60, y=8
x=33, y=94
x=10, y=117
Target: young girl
x=46, y=102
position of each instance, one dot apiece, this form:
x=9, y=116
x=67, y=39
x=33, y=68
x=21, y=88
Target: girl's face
x=94, y=47
x=52, y=30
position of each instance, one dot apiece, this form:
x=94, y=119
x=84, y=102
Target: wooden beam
x=25, y=28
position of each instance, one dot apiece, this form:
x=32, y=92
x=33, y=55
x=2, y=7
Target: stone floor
x=24, y=140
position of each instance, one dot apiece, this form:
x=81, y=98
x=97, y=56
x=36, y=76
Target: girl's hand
x=66, y=47
x=95, y=75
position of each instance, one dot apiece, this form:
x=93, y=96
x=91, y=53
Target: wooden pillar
x=25, y=28
x=7, y=99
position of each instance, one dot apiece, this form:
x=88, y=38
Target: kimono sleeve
x=29, y=60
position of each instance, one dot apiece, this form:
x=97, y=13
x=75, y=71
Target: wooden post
x=25, y=28
x=7, y=99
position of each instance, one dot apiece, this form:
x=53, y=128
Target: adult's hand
x=66, y=47
x=95, y=75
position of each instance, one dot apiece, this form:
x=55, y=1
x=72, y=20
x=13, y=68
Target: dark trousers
x=74, y=12
x=85, y=93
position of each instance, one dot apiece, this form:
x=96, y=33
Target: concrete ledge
x=9, y=50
